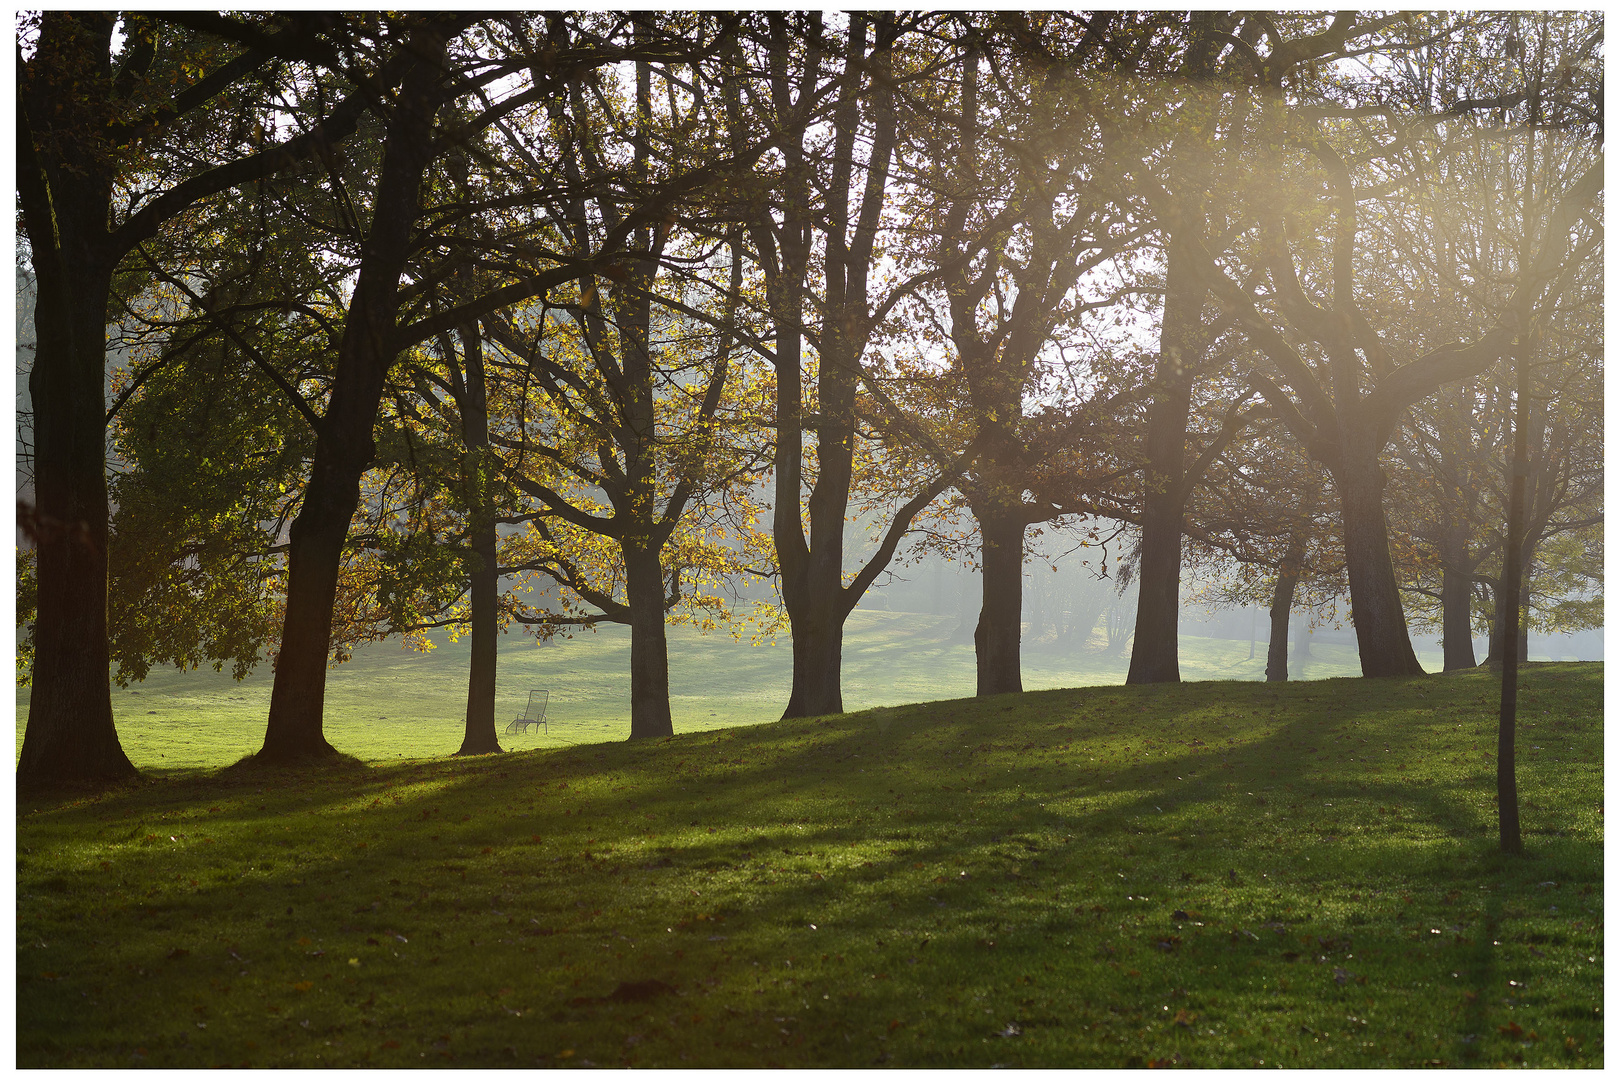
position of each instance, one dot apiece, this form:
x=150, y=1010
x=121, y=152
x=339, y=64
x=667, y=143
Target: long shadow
x=726, y=767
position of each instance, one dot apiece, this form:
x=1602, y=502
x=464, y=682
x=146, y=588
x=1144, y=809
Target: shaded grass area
x=1217, y=874
x=391, y=704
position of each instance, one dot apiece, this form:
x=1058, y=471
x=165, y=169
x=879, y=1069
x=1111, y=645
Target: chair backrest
x=537, y=704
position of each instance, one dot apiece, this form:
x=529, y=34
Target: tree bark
x=70, y=737
x=479, y=736
x=66, y=198
x=1456, y=600
x=1155, y=653
x=1509, y=837
x=997, y=637
x=344, y=447
x=649, y=648
x=818, y=647
x=1282, y=602
x=1375, y=600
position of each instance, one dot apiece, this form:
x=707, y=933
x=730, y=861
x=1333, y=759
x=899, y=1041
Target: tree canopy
x=629, y=309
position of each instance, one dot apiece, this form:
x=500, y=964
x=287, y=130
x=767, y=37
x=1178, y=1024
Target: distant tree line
x=468, y=320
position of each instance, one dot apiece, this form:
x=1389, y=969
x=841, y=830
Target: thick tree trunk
x=996, y=639
x=65, y=195
x=344, y=448
x=818, y=648
x=649, y=649
x=70, y=737
x=1155, y=655
x=1375, y=600
x=1456, y=601
x=1282, y=602
x=817, y=601
x=294, y=731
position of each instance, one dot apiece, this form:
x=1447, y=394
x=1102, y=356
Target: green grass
x=1215, y=874
x=390, y=704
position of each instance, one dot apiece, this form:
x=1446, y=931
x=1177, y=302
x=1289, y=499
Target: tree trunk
x=1523, y=649
x=1155, y=656
x=65, y=195
x=996, y=638
x=1302, y=643
x=1509, y=837
x=1282, y=602
x=479, y=736
x=818, y=648
x=70, y=737
x=344, y=447
x=1456, y=600
x=649, y=649
x=294, y=731
x=1375, y=600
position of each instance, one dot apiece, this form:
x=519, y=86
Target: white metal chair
x=534, y=715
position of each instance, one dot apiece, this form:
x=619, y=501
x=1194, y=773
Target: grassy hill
x=1216, y=874
x=390, y=704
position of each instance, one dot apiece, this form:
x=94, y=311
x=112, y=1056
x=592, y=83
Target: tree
x=1343, y=409
x=1194, y=189
x=1269, y=509
x=374, y=334
x=1460, y=237
x=790, y=233
x=624, y=420
x=106, y=158
x=1016, y=216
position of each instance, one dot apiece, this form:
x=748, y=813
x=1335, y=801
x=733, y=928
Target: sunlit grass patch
x=391, y=704
x=1205, y=874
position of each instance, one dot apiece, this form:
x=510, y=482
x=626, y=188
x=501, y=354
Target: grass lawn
x=1216, y=874
x=390, y=704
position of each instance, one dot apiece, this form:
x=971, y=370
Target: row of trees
x=627, y=309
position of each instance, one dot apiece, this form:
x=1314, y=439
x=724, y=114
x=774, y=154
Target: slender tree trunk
x=1507, y=783
x=649, y=648
x=1155, y=655
x=996, y=639
x=344, y=448
x=1282, y=602
x=479, y=736
x=1456, y=600
x=1375, y=601
x=1302, y=643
